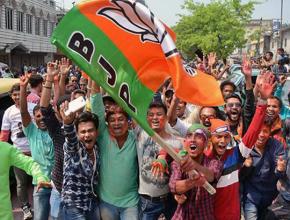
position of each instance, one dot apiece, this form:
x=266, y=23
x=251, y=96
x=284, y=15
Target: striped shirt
x=199, y=203
x=227, y=198
x=81, y=174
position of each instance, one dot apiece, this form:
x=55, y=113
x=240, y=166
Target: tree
x=218, y=26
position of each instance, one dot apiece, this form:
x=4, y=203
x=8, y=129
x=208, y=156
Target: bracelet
x=262, y=101
x=89, y=88
x=47, y=87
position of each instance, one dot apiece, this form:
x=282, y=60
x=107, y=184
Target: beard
x=234, y=116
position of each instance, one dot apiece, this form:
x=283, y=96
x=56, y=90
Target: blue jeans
x=111, y=212
x=252, y=211
x=41, y=203
x=55, y=205
x=73, y=213
x=152, y=210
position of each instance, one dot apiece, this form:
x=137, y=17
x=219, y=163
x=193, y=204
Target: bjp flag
x=121, y=45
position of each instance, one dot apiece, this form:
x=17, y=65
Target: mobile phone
x=75, y=105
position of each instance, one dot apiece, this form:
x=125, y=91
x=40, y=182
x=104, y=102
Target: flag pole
x=211, y=190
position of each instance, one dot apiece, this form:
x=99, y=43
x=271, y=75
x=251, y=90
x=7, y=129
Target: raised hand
x=266, y=85
x=24, y=79
x=67, y=119
x=52, y=69
x=64, y=66
x=246, y=66
x=281, y=164
x=211, y=59
x=282, y=80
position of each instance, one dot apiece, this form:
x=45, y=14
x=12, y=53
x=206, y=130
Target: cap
x=218, y=126
x=199, y=129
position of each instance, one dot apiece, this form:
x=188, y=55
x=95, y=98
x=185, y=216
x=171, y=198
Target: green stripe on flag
x=105, y=50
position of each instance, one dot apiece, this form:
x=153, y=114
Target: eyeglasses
x=83, y=84
x=74, y=80
x=235, y=104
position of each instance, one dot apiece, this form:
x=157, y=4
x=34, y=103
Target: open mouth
x=193, y=147
x=270, y=114
x=88, y=141
x=155, y=123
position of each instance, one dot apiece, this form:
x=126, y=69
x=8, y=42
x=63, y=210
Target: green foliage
x=218, y=26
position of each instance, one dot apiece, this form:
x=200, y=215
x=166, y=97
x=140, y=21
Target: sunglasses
x=235, y=104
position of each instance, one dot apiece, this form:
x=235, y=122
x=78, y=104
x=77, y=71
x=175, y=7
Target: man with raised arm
x=41, y=147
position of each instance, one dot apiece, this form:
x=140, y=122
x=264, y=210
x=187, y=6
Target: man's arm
x=171, y=114
x=175, y=122
x=4, y=136
x=249, y=109
x=27, y=164
x=97, y=106
x=6, y=127
x=178, y=185
x=71, y=140
x=278, y=94
x=25, y=116
x=265, y=89
x=52, y=71
x=64, y=70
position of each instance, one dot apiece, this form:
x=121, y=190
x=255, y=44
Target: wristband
x=182, y=153
x=262, y=101
x=47, y=87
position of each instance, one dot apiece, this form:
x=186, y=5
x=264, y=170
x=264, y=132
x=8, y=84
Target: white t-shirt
x=148, y=150
x=12, y=122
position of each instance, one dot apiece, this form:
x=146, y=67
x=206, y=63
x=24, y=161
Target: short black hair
x=15, y=87
x=203, y=107
x=36, y=108
x=227, y=83
x=61, y=100
x=86, y=117
x=115, y=110
x=157, y=105
x=270, y=53
x=281, y=49
x=278, y=99
x=79, y=91
x=234, y=95
x=35, y=80
x=169, y=93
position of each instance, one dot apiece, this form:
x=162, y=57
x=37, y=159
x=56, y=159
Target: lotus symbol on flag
x=137, y=19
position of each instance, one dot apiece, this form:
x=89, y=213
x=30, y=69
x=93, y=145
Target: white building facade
x=25, y=30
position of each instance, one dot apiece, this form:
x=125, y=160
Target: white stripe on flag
x=245, y=151
x=228, y=179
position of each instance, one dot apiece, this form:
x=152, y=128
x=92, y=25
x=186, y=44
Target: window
x=9, y=18
x=51, y=28
x=29, y=24
x=285, y=42
x=37, y=26
x=44, y=28
x=20, y=21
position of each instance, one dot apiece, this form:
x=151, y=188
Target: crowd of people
x=98, y=163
